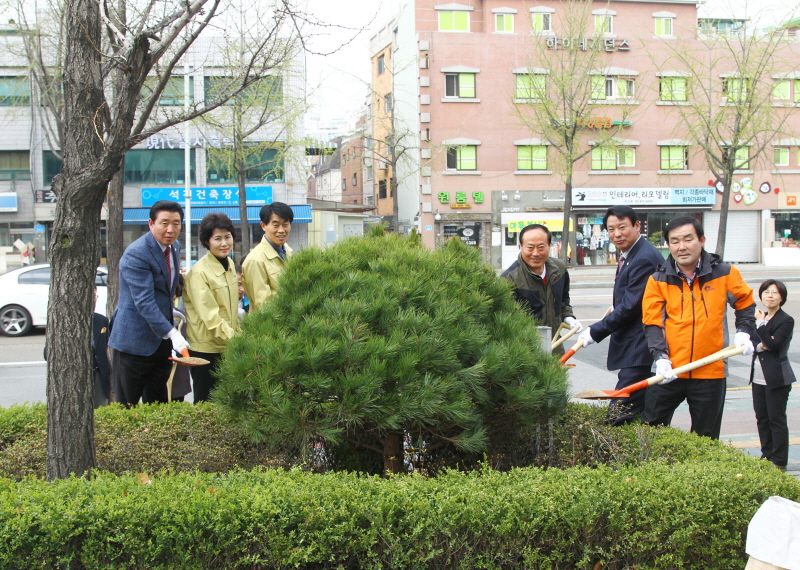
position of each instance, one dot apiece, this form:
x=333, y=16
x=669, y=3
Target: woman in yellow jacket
x=211, y=296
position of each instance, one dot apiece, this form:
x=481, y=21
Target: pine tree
x=376, y=341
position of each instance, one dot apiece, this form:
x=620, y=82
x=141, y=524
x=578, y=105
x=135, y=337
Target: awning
x=139, y=216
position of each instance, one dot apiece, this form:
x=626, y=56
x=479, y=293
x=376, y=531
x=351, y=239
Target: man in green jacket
x=263, y=265
x=541, y=283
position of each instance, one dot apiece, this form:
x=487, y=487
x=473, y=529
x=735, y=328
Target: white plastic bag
x=773, y=535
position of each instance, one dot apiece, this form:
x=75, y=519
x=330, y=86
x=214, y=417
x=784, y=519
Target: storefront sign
x=470, y=234
x=209, y=195
x=791, y=201
x=643, y=196
x=8, y=202
x=553, y=224
x=461, y=205
x=45, y=197
x=601, y=123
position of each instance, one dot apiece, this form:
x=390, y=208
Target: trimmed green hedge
x=654, y=516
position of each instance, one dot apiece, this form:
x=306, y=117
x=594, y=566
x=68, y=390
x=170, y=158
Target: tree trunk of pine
x=723, y=218
x=244, y=224
x=393, y=453
x=567, y=213
x=75, y=252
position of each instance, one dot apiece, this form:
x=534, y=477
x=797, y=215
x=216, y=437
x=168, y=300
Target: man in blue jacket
x=627, y=349
x=142, y=334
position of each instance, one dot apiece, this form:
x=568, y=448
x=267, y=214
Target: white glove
x=761, y=323
x=178, y=342
x=760, y=347
x=743, y=339
x=573, y=322
x=241, y=313
x=664, y=368
x=586, y=337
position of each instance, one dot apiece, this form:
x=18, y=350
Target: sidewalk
x=602, y=276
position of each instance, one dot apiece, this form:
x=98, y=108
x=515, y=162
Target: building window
x=604, y=158
x=15, y=91
x=461, y=85
x=612, y=88
x=51, y=165
x=381, y=189
x=541, y=22
x=355, y=180
x=783, y=90
x=741, y=158
x=265, y=91
x=504, y=23
x=462, y=157
x=735, y=88
x=626, y=157
x=674, y=158
x=173, y=92
x=531, y=86
x=781, y=157
x=663, y=26
x=672, y=88
x=15, y=165
x=388, y=102
x=261, y=165
x=603, y=25
x=157, y=166
x=532, y=157
x=450, y=21
x=381, y=64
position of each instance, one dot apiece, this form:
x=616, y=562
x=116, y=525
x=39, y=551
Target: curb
x=610, y=284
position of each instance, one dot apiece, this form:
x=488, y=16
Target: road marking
x=756, y=443
x=38, y=363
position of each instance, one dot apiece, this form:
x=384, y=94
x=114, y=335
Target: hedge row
x=178, y=437
x=682, y=515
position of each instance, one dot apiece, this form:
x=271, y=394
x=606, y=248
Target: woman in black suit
x=773, y=335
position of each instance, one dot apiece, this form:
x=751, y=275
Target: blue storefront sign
x=209, y=195
x=8, y=202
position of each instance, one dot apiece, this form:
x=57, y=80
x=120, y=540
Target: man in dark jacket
x=627, y=349
x=541, y=283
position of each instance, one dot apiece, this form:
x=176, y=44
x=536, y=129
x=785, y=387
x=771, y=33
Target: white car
x=24, y=293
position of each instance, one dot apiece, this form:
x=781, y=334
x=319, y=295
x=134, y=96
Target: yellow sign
x=455, y=205
x=552, y=225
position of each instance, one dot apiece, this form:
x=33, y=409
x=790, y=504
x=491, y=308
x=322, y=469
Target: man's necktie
x=169, y=264
x=620, y=263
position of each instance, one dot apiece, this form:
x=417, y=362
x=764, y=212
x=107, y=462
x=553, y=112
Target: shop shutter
x=743, y=240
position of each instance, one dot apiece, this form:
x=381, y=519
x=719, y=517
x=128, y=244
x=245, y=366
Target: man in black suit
x=627, y=349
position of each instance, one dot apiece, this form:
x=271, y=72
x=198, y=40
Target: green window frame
x=672, y=88
x=626, y=156
x=781, y=156
x=172, y=95
x=265, y=91
x=741, y=158
x=735, y=88
x=15, y=91
x=603, y=25
x=462, y=157
x=674, y=158
x=504, y=23
x=453, y=21
x=51, y=165
x=598, y=87
x=531, y=86
x=604, y=158
x=532, y=157
x=461, y=85
x=796, y=91
x=541, y=22
x=663, y=26
x=781, y=90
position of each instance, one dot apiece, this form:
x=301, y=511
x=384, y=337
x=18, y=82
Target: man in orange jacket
x=683, y=311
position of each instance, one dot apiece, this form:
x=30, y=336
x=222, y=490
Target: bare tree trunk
x=244, y=224
x=114, y=246
x=723, y=218
x=393, y=453
x=75, y=251
x=567, y=214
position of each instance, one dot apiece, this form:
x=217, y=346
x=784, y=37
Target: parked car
x=24, y=293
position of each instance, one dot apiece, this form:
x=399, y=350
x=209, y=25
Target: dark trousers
x=135, y=374
x=203, y=379
x=773, y=431
x=625, y=410
x=706, y=400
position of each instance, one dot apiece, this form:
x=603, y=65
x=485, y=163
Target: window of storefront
x=162, y=166
x=787, y=226
x=15, y=91
x=51, y=165
x=15, y=165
